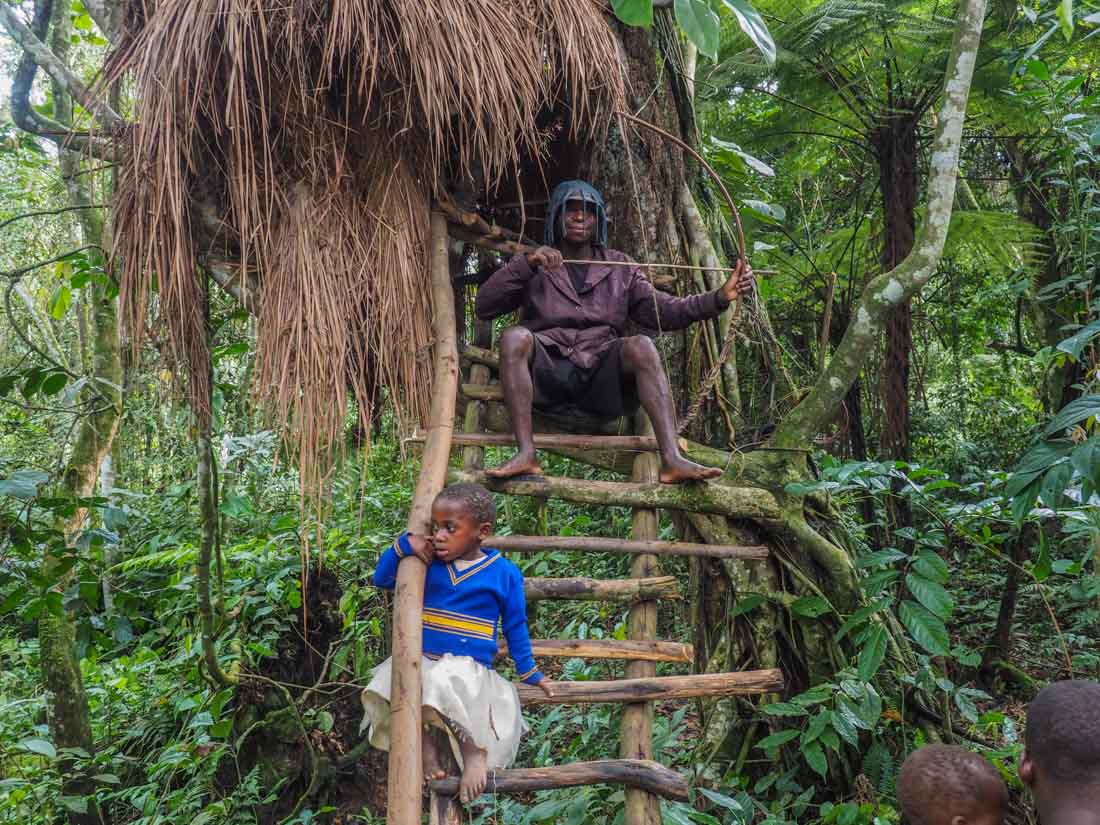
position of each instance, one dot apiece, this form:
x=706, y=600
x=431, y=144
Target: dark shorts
x=603, y=390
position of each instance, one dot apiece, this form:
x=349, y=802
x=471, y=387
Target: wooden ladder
x=645, y=781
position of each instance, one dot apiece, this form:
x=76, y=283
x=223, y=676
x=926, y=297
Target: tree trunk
x=67, y=701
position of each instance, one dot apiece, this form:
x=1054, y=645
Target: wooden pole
x=602, y=590
x=637, y=773
x=594, y=544
x=656, y=689
x=644, y=651
x=405, y=780
x=754, y=503
x=636, y=738
x=551, y=441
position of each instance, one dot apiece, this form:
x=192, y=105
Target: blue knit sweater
x=462, y=607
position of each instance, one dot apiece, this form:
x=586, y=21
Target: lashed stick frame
x=404, y=799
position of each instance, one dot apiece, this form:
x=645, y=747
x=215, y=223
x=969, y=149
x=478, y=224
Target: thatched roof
x=316, y=133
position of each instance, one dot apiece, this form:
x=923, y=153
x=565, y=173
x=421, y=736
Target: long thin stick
x=670, y=266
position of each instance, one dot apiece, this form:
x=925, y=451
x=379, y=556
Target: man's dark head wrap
x=573, y=190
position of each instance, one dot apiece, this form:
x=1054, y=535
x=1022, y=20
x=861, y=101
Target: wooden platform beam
x=657, y=688
x=553, y=441
x=595, y=544
x=632, y=650
x=634, y=773
x=602, y=590
x=736, y=502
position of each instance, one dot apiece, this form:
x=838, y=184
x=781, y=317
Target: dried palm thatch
x=318, y=131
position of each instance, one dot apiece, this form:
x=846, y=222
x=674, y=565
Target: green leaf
x=43, y=747
x=1065, y=18
x=1076, y=342
x=929, y=564
x=881, y=558
x=700, y=24
x=1074, y=411
x=23, y=484
x=843, y=725
x=859, y=617
x=1023, y=501
x=236, y=506
x=931, y=594
x=727, y=802
x=810, y=607
x=815, y=758
x=55, y=382
x=753, y=25
x=783, y=709
x=926, y=628
x=747, y=604
x=767, y=212
x=1042, y=567
x=777, y=739
x=634, y=12
x=849, y=715
x=873, y=653
x=82, y=22
x=60, y=302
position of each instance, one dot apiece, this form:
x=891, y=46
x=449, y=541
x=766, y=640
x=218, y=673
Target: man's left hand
x=740, y=281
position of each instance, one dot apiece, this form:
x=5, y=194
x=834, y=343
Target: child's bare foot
x=429, y=757
x=679, y=470
x=520, y=464
x=475, y=772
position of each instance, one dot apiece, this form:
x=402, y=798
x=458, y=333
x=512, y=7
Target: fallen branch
x=602, y=590
x=656, y=689
x=595, y=544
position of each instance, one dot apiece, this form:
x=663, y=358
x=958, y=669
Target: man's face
x=580, y=221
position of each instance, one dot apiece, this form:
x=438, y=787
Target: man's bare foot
x=475, y=773
x=521, y=464
x=679, y=470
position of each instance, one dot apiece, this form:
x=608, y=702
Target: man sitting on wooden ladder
x=570, y=347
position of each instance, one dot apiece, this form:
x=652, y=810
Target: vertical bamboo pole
x=405, y=773
x=642, y=808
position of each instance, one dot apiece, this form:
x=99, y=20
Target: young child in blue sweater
x=469, y=589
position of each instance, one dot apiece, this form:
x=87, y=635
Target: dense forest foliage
x=220, y=625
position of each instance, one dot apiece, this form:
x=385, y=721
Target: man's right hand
x=422, y=548
x=545, y=256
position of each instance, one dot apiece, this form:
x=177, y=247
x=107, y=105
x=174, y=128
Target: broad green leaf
x=1037, y=460
x=873, y=653
x=1075, y=411
x=1042, y=567
x=931, y=594
x=814, y=696
x=768, y=212
x=1076, y=342
x=700, y=24
x=23, y=484
x=777, y=739
x=752, y=161
x=747, y=604
x=82, y=22
x=43, y=747
x=1065, y=18
x=727, y=802
x=927, y=629
x=54, y=383
x=810, y=607
x=849, y=715
x=783, y=709
x=929, y=564
x=881, y=558
x=60, y=302
x=754, y=26
x=1024, y=500
x=634, y=12
x=843, y=725
x=1054, y=484
x=815, y=758
x=859, y=617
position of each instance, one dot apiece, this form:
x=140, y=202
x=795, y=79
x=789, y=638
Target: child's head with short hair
x=463, y=516
x=949, y=785
x=1061, y=758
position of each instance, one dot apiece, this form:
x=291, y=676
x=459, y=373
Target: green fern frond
x=158, y=560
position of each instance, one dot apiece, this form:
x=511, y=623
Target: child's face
x=455, y=533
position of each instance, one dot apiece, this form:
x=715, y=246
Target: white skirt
x=480, y=702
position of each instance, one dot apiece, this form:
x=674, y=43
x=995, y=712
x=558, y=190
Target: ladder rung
x=590, y=544
x=658, y=688
x=480, y=355
x=637, y=773
x=638, y=650
x=602, y=590
x=483, y=392
x=735, y=502
x=551, y=441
